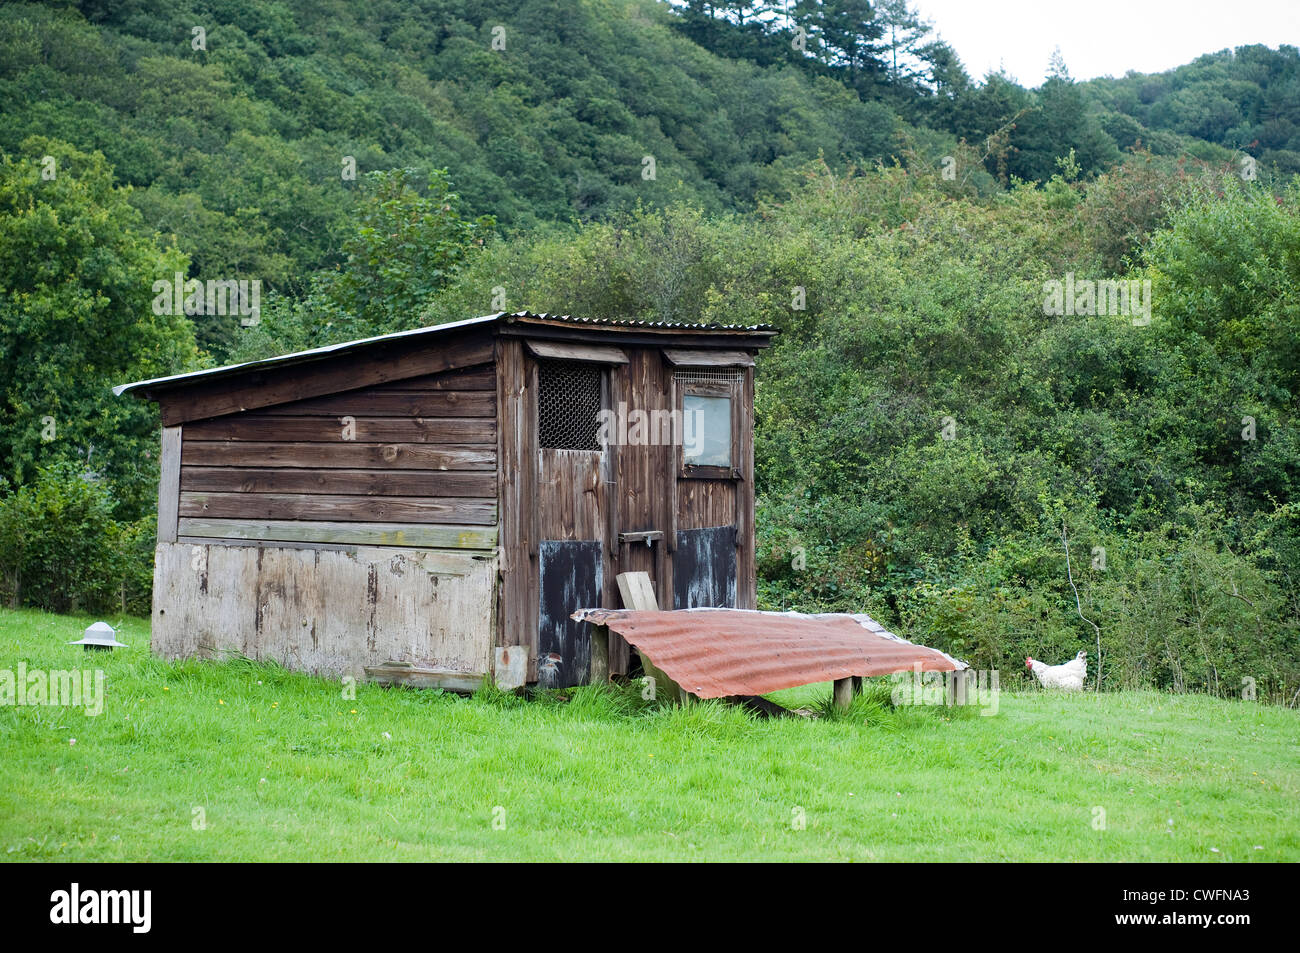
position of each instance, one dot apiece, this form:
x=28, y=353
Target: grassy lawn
x=284, y=768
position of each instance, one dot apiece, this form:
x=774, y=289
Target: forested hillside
x=240, y=141
x=933, y=437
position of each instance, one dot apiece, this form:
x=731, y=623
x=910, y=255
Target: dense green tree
x=1059, y=123
x=77, y=269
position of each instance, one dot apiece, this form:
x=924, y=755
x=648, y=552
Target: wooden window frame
x=731, y=389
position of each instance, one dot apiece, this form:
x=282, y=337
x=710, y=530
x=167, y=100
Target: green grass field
x=238, y=761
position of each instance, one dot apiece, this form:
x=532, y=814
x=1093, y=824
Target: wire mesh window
x=707, y=399
x=708, y=375
x=568, y=405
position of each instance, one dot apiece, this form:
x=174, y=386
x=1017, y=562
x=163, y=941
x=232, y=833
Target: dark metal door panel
x=571, y=577
x=704, y=568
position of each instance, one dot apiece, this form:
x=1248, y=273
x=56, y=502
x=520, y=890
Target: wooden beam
x=415, y=483
x=339, y=508
x=592, y=353
x=638, y=593
x=956, y=685
x=362, y=534
x=684, y=357
x=398, y=674
x=457, y=431
x=646, y=536
x=344, y=454
x=169, y=484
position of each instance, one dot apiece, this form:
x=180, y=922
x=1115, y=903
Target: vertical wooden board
x=176, y=607
x=704, y=568
x=644, y=471
x=338, y=632
x=169, y=484
x=229, y=612
x=431, y=617
x=746, y=570
x=517, y=475
x=398, y=629
x=703, y=503
x=571, y=494
x=459, y=629
x=289, y=603
x=571, y=579
x=618, y=651
x=531, y=575
x=204, y=600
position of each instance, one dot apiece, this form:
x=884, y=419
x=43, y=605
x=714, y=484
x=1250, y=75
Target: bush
x=61, y=550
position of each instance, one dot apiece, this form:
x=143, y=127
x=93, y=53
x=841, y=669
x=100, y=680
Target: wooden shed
x=431, y=506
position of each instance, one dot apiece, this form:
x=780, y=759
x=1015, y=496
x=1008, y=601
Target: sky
x=1103, y=37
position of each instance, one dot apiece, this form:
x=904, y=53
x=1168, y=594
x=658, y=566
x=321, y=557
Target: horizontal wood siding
x=393, y=361
x=343, y=509
x=421, y=450
x=375, y=456
x=468, y=431
x=418, y=483
x=357, y=534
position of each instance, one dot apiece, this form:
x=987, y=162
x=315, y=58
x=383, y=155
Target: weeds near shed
x=872, y=706
x=606, y=700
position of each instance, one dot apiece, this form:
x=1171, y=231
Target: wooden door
x=573, y=508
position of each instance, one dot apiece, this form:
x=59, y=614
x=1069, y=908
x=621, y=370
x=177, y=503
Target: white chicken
x=1069, y=676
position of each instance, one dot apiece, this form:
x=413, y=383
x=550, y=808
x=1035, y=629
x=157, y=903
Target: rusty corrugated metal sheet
x=716, y=653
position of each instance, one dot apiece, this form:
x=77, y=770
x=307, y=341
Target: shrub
x=61, y=550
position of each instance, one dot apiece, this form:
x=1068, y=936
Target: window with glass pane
x=706, y=431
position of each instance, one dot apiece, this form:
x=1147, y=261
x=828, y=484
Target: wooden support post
x=599, y=654
x=169, y=484
x=638, y=593
x=843, y=692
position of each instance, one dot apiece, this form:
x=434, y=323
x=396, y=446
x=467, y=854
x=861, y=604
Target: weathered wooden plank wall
x=702, y=503
x=353, y=457
x=394, y=361
x=326, y=612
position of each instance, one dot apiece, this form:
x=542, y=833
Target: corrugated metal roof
x=634, y=323
x=347, y=346
x=718, y=653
